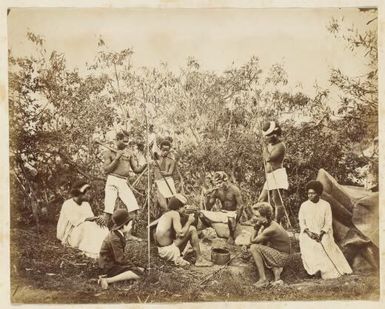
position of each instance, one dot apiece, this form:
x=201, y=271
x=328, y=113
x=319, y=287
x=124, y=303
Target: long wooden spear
x=148, y=189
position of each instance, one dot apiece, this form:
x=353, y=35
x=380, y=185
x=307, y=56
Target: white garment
x=221, y=216
x=164, y=189
x=115, y=187
x=276, y=179
x=327, y=258
x=74, y=231
x=172, y=253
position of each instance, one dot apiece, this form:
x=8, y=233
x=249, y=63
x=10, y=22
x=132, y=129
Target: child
x=112, y=259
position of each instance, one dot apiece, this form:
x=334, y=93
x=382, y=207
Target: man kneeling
x=270, y=244
x=172, y=238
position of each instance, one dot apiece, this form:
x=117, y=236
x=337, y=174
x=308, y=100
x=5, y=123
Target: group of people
x=105, y=236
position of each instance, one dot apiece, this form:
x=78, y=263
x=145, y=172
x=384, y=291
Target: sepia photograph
x=170, y=154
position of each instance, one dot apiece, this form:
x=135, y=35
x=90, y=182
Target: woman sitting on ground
x=270, y=244
x=76, y=226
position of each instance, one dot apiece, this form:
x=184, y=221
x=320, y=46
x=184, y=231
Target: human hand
x=320, y=236
x=119, y=153
x=191, y=218
x=103, y=220
x=265, y=152
x=99, y=221
x=312, y=235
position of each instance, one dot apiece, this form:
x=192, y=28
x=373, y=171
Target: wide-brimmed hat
x=120, y=218
x=269, y=128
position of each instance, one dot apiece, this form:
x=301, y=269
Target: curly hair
x=175, y=203
x=315, y=185
x=75, y=190
x=265, y=210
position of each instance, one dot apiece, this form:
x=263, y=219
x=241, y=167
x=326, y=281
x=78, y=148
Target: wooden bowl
x=220, y=256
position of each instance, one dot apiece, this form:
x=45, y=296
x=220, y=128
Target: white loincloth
x=118, y=187
x=164, y=189
x=277, y=179
x=172, y=253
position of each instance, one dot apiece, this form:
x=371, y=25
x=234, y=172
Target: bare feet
x=182, y=262
x=134, y=238
x=277, y=273
x=202, y=262
x=103, y=282
x=277, y=283
x=261, y=283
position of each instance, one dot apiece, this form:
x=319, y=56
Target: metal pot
x=220, y=256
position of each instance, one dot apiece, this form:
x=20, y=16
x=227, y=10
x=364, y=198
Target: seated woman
x=76, y=226
x=319, y=252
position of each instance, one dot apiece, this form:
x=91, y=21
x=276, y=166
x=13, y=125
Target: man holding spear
x=164, y=171
x=117, y=166
x=276, y=177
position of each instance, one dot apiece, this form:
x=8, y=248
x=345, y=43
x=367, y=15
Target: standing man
x=117, y=166
x=276, y=177
x=231, y=202
x=163, y=172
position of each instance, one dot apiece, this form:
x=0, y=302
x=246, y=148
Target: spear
x=148, y=189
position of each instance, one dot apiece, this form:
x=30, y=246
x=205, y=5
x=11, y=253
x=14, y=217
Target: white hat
x=272, y=127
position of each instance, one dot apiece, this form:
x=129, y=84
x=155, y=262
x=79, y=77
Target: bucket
x=220, y=256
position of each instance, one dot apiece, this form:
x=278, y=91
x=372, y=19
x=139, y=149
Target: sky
x=297, y=38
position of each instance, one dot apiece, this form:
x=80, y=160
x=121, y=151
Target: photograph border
x=4, y=140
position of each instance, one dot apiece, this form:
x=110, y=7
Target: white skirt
x=277, y=179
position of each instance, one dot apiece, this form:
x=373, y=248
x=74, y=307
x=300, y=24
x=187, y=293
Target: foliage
x=56, y=114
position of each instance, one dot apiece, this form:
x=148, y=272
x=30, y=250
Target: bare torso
x=165, y=233
x=278, y=237
x=228, y=197
x=277, y=155
x=167, y=166
x=123, y=166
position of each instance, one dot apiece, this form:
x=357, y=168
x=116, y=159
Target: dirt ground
x=43, y=271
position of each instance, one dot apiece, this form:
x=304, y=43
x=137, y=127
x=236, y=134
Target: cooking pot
x=220, y=256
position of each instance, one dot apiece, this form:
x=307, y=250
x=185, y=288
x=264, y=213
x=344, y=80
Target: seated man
x=270, y=244
x=231, y=202
x=172, y=238
x=76, y=226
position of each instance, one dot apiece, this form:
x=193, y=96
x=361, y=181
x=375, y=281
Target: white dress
x=74, y=231
x=326, y=257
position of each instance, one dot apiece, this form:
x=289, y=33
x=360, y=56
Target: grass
x=44, y=271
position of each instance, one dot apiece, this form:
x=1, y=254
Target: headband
x=84, y=188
